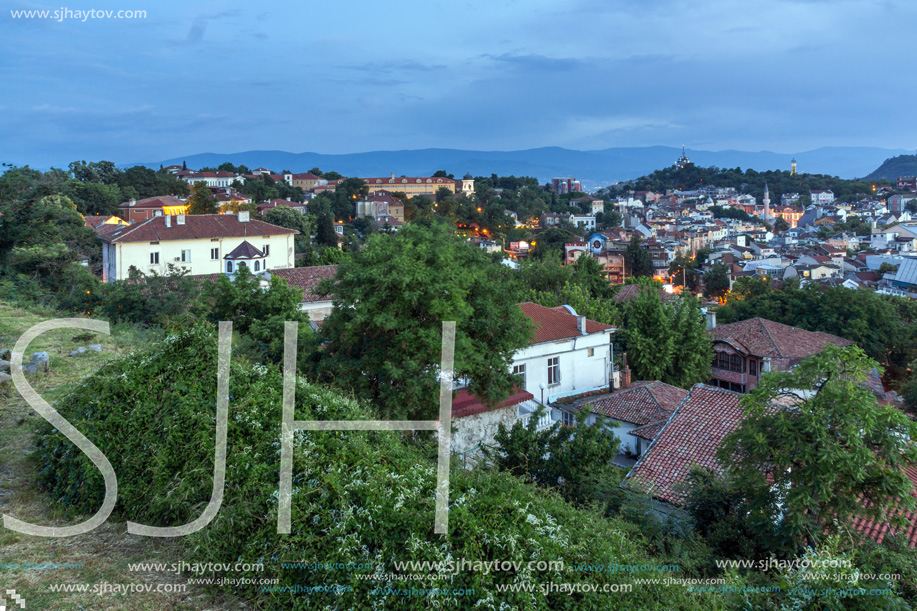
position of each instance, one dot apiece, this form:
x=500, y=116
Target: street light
x=542, y=387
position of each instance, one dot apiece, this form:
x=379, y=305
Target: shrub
x=358, y=496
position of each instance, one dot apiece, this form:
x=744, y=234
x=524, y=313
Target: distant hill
x=891, y=169
x=593, y=168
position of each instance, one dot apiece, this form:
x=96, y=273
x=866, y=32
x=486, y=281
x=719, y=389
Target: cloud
x=538, y=63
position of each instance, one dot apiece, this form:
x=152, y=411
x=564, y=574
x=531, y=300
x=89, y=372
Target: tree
x=94, y=198
x=324, y=230
x=284, y=216
x=550, y=243
x=816, y=441
x=572, y=459
x=259, y=314
x=638, y=258
x=648, y=336
x=887, y=268
x=692, y=351
x=780, y=225
x=383, y=338
x=716, y=281
x=202, y=200
x=152, y=299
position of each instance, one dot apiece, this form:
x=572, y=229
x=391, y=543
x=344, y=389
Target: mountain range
x=594, y=169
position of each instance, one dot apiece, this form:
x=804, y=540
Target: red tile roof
x=197, y=226
x=553, y=324
x=95, y=221
x=154, y=202
x=244, y=251
x=306, y=278
x=642, y=403
x=691, y=436
x=466, y=404
x=649, y=431
x=765, y=338
x=879, y=529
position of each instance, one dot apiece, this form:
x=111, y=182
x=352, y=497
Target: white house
x=569, y=355
x=586, y=221
x=201, y=244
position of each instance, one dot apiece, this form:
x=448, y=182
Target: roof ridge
x=761, y=321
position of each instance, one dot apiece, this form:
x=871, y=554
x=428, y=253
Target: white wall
x=578, y=370
x=121, y=256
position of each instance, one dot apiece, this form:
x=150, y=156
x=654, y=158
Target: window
x=154, y=258
x=229, y=267
x=554, y=371
x=519, y=370
x=753, y=367
x=737, y=363
x=257, y=266
x=591, y=352
x=214, y=254
x=568, y=418
x=186, y=256
x=266, y=249
x=722, y=361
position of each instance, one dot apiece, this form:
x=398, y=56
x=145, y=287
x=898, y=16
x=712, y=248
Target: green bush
x=358, y=496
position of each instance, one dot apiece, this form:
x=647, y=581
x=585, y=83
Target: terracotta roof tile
x=197, y=226
x=466, y=404
x=306, y=279
x=691, y=436
x=154, y=202
x=552, y=324
x=642, y=403
x=766, y=338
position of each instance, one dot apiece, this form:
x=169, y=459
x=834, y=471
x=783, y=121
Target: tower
x=683, y=160
x=767, y=203
x=793, y=167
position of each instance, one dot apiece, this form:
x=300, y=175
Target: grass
x=105, y=552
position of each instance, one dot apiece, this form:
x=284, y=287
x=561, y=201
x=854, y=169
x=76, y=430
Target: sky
x=342, y=77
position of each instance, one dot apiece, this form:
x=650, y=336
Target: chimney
x=168, y=219
x=625, y=374
x=133, y=202
x=180, y=219
x=581, y=324
x=243, y=216
x=711, y=319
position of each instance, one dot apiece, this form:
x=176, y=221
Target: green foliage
x=93, y=198
x=638, y=258
x=358, y=497
x=284, y=216
x=728, y=212
x=202, y=200
x=884, y=326
x=836, y=447
x=383, y=338
x=665, y=340
x=780, y=225
x=153, y=299
x=648, y=336
x=716, y=281
x=258, y=314
x=692, y=351
x=574, y=460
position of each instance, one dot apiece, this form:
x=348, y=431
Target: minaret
x=793, y=167
x=767, y=203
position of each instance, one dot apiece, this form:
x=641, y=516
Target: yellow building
x=415, y=185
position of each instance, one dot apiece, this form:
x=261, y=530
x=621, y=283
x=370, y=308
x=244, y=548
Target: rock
x=4, y=365
x=31, y=369
x=79, y=351
x=95, y=347
x=41, y=361
x=6, y=378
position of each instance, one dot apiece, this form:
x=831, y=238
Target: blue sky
x=781, y=75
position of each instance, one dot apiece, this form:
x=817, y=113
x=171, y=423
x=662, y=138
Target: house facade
x=744, y=351
x=568, y=355
x=201, y=244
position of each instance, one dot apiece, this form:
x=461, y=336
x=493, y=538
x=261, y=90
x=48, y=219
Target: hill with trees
x=892, y=168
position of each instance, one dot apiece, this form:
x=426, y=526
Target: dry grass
x=103, y=553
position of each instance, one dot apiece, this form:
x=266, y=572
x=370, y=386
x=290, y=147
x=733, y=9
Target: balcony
x=529, y=409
